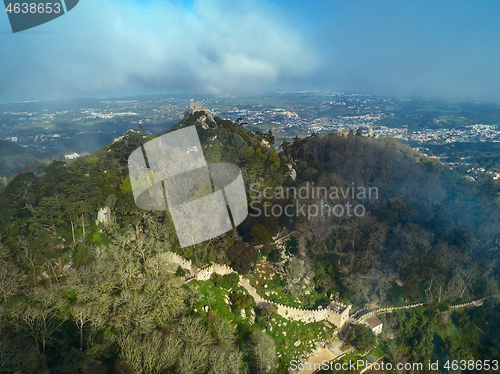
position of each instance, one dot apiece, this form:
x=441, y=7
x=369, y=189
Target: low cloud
x=110, y=47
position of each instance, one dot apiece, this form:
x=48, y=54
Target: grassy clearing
x=264, y=275
x=215, y=298
x=285, y=333
x=377, y=352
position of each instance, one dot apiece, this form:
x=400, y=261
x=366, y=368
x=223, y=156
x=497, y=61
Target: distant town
x=68, y=129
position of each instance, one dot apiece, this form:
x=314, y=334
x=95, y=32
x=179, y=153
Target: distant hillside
x=14, y=158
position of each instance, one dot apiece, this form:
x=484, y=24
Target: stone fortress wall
x=201, y=274
x=206, y=272
x=179, y=260
x=335, y=313
x=362, y=318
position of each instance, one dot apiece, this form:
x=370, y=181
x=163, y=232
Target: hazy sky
x=443, y=49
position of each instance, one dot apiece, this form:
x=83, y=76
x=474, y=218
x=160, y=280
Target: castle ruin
x=193, y=108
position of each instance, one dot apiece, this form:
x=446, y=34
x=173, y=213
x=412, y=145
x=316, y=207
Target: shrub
x=180, y=272
x=96, y=238
x=241, y=257
x=82, y=255
x=240, y=301
x=274, y=256
x=228, y=281
x=260, y=235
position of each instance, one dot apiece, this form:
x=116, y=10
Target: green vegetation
x=435, y=333
x=116, y=307
x=228, y=281
x=362, y=338
x=240, y=300
x=274, y=256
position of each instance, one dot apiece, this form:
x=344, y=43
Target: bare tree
x=223, y=362
x=40, y=320
x=300, y=272
x=27, y=254
x=262, y=351
x=9, y=275
x=82, y=316
x=148, y=354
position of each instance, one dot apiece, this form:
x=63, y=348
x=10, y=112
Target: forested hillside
x=78, y=295
x=436, y=231
x=432, y=236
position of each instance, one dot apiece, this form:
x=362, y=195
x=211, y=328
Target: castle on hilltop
x=369, y=134
x=195, y=107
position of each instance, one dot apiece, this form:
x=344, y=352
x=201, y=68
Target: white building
x=71, y=156
x=104, y=216
x=374, y=324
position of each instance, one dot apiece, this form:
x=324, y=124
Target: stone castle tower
x=195, y=107
x=338, y=314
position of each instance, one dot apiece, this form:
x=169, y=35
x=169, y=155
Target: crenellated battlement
x=335, y=313
x=384, y=310
x=206, y=272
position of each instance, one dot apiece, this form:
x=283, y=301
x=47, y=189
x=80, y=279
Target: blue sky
x=434, y=49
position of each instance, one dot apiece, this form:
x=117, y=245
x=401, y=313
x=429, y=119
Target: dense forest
x=432, y=236
x=79, y=295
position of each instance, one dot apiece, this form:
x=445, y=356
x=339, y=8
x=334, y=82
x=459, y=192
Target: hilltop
x=110, y=298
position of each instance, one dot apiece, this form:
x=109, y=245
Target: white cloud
x=109, y=46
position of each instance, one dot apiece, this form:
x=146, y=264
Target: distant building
x=71, y=156
x=374, y=324
x=195, y=107
x=104, y=216
x=343, y=132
